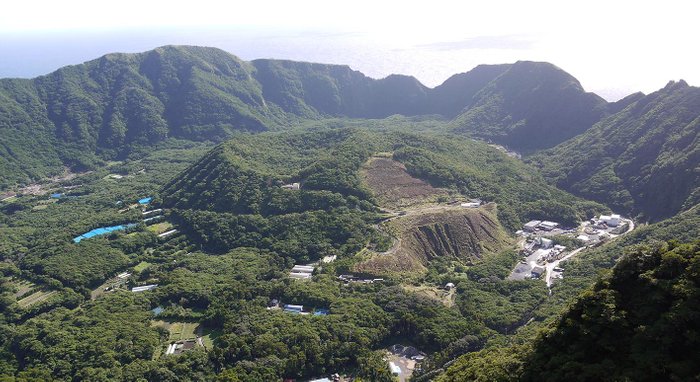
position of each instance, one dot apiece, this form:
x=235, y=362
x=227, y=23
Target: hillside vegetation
x=642, y=160
x=636, y=324
x=244, y=175
x=122, y=104
x=530, y=106
x=584, y=342
x=230, y=180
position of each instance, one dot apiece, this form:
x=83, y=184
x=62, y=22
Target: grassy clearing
x=178, y=330
x=160, y=227
x=140, y=267
x=35, y=298
x=445, y=297
x=209, y=336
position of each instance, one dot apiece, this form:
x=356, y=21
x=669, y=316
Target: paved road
x=550, y=266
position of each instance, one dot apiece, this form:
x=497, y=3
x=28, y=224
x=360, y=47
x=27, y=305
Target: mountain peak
x=673, y=85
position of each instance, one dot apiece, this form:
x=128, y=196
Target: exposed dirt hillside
x=393, y=186
x=465, y=234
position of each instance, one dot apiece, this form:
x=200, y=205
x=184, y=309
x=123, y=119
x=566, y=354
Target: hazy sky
x=613, y=47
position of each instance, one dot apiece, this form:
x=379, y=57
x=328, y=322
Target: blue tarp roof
x=101, y=231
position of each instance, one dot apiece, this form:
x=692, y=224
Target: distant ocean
x=432, y=63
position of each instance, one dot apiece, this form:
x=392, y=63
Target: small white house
x=303, y=269
x=144, y=288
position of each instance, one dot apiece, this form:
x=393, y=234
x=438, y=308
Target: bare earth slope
x=426, y=230
x=465, y=234
x=393, y=186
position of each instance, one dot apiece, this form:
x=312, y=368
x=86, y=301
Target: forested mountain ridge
x=530, y=106
x=105, y=109
x=642, y=160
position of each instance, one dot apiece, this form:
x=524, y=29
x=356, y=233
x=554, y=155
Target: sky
x=613, y=48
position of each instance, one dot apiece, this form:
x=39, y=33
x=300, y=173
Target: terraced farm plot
x=23, y=287
x=394, y=186
x=445, y=297
x=35, y=298
x=208, y=338
x=159, y=228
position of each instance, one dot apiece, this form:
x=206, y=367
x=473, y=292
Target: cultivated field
x=22, y=286
x=35, y=298
x=160, y=227
x=178, y=330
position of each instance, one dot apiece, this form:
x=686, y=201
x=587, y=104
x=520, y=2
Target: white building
x=548, y=226
x=546, y=243
x=303, y=268
x=144, y=288
x=302, y=272
x=611, y=220
x=395, y=369
x=531, y=226
x=292, y=186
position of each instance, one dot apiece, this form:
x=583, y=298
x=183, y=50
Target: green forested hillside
x=239, y=234
x=82, y=115
x=243, y=175
x=638, y=324
x=192, y=149
x=530, y=106
x=642, y=160
x=313, y=90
